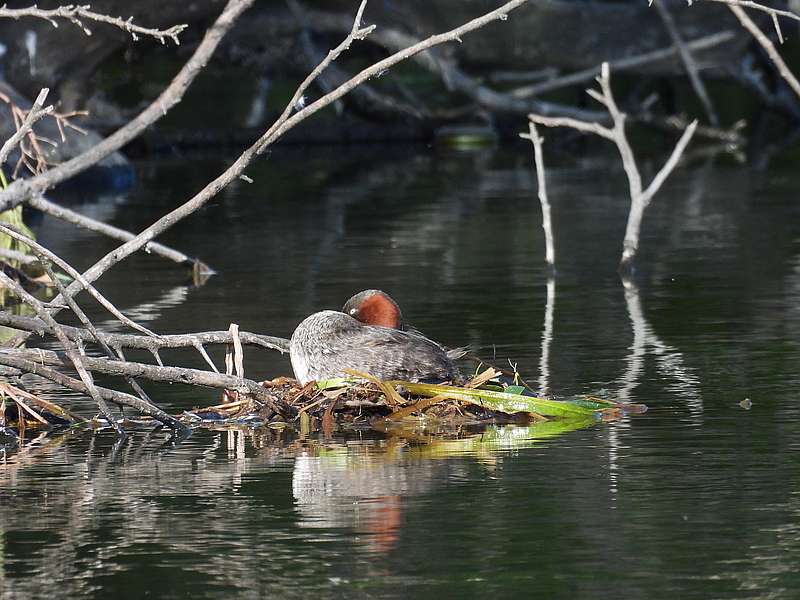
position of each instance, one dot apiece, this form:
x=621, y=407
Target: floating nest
x=363, y=402
x=357, y=402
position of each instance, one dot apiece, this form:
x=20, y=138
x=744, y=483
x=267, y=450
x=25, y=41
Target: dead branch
x=151, y=344
x=65, y=214
x=73, y=350
x=538, y=159
x=768, y=46
x=333, y=77
x=580, y=77
x=454, y=78
x=688, y=61
x=36, y=112
x=45, y=254
x=74, y=14
x=25, y=189
x=774, y=13
x=127, y=369
x=78, y=312
x=24, y=259
x=640, y=196
x=283, y=124
x=36, y=368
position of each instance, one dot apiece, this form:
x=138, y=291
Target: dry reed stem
x=36, y=112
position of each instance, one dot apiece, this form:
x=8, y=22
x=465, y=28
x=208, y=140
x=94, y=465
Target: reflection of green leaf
x=500, y=438
x=500, y=401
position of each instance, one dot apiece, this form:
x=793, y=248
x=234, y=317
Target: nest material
x=370, y=403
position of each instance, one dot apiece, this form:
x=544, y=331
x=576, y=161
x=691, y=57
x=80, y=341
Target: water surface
x=696, y=499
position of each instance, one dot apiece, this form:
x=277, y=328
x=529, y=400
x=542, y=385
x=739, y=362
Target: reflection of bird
x=367, y=337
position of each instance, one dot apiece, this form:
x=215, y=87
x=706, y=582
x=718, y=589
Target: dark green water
x=699, y=498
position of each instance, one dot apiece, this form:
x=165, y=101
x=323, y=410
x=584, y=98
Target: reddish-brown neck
x=379, y=310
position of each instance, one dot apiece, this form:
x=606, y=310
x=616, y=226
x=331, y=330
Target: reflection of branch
x=640, y=196
x=669, y=360
x=547, y=338
x=74, y=14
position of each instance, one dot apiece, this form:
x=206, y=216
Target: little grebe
x=367, y=336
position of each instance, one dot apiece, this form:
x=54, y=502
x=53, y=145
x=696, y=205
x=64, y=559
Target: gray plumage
x=328, y=343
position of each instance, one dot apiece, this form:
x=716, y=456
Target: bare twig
x=772, y=12
x=282, y=125
x=121, y=340
x=35, y=367
x=688, y=61
x=21, y=257
x=768, y=46
x=73, y=351
x=640, y=197
x=74, y=14
x=60, y=212
x=46, y=254
x=538, y=159
x=632, y=62
x=127, y=369
x=36, y=112
x=22, y=190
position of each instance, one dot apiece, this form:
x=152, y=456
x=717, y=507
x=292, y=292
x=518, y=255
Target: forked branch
x=640, y=196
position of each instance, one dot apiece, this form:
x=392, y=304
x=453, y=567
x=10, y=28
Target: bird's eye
x=354, y=311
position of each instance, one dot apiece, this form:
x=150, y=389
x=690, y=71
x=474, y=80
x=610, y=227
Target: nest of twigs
x=364, y=402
